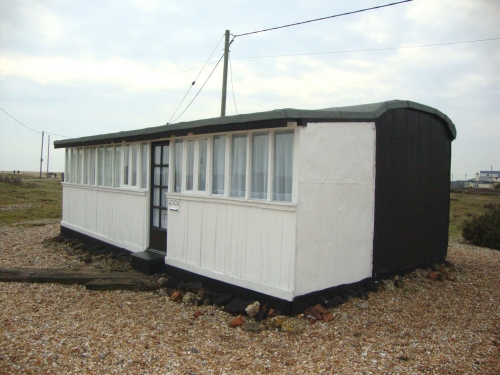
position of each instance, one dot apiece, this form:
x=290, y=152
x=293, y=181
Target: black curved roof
x=275, y=118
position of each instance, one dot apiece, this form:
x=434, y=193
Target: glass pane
x=164, y=176
x=134, y=166
x=166, y=154
x=144, y=166
x=156, y=217
x=283, y=166
x=80, y=166
x=156, y=196
x=163, y=197
x=86, y=158
x=67, y=168
x=73, y=164
x=202, y=165
x=125, y=164
x=100, y=166
x=260, y=153
x=157, y=176
x=178, y=166
x=190, y=165
x=218, y=165
x=93, y=153
x=238, y=165
x=117, y=167
x=164, y=218
x=157, y=155
x=108, y=166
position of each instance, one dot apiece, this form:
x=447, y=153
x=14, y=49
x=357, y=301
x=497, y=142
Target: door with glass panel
x=159, y=187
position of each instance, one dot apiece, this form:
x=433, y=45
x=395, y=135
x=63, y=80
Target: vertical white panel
x=109, y=215
x=245, y=241
x=336, y=205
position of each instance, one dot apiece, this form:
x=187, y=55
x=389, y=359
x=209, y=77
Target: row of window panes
x=112, y=165
x=258, y=147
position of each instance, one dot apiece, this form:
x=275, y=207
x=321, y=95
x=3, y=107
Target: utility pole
x=224, y=77
x=48, y=150
x=41, y=156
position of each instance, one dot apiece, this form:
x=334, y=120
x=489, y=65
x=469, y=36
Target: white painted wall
x=119, y=217
x=336, y=201
x=246, y=243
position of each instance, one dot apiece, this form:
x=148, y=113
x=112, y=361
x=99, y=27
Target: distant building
x=486, y=179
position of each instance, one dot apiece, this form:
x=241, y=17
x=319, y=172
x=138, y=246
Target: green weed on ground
x=464, y=206
x=34, y=199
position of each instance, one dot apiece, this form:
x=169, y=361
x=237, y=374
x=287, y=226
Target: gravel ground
x=425, y=327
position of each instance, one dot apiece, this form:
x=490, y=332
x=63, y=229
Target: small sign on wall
x=174, y=204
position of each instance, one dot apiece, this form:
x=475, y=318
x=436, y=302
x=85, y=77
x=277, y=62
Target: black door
x=159, y=185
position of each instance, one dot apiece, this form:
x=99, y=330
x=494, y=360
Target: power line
x=368, y=50
x=232, y=86
x=26, y=126
x=324, y=18
x=16, y=120
x=194, y=82
x=200, y=88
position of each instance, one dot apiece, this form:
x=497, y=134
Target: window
x=202, y=164
x=133, y=166
x=73, y=164
x=260, y=155
x=178, y=166
x=93, y=153
x=117, y=166
x=126, y=152
x=144, y=166
x=100, y=166
x=108, y=166
x=238, y=165
x=218, y=164
x=86, y=166
x=67, y=168
x=79, y=172
x=190, y=165
x=283, y=166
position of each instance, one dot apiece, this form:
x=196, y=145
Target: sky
x=79, y=68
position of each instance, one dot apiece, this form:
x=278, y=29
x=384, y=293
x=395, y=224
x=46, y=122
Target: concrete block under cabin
x=283, y=203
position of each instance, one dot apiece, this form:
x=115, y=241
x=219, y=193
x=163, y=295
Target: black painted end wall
x=412, y=190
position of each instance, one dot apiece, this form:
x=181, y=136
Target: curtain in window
x=190, y=165
x=108, y=166
x=133, y=166
x=117, y=166
x=238, y=165
x=126, y=149
x=93, y=157
x=218, y=164
x=100, y=166
x=80, y=166
x=73, y=165
x=86, y=164
x=260, y=153
x=202, y=165
x=144, y=165
x=283, y=166
x=178, y=166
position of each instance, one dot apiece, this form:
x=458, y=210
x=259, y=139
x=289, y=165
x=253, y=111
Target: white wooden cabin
x=284, y=203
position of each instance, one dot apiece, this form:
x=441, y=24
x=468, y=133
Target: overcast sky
x=78, y=68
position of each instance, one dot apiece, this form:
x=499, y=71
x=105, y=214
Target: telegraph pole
x=41, y=156
x=48, y=150
x=224, y=77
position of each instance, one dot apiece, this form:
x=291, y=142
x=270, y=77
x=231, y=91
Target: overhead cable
x=324, y=18
x=367, y=50
x=194, y=82
x=200, y=88
x=26, y=126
